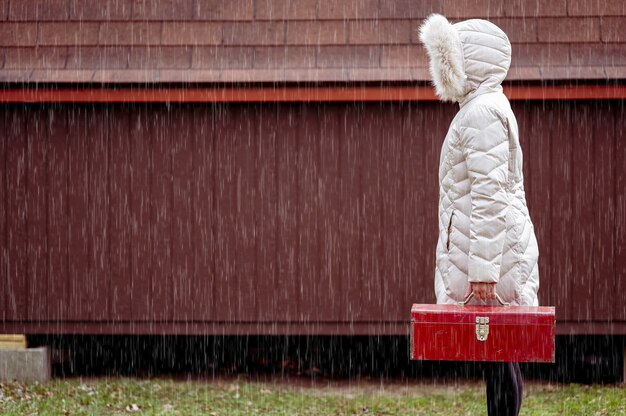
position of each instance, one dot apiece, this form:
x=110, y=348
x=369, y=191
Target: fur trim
x=445, y=54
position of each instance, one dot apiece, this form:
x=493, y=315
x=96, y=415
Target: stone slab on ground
x=25, y=365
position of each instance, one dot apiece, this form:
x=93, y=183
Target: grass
x=113, y=396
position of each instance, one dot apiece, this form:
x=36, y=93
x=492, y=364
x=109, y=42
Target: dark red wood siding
x=251, y=218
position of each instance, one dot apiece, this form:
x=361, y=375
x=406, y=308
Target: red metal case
x=482, y=333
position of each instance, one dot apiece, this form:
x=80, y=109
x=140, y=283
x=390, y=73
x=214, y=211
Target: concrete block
x=25, y=365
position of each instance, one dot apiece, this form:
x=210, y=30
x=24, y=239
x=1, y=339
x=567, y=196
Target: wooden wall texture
x=164, y=217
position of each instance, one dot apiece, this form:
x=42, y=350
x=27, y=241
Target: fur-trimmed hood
x=465, y=56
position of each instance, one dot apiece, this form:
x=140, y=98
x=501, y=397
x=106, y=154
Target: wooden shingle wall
x=292, y=40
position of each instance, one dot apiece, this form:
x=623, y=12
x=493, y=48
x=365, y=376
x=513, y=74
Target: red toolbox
x=482, y=333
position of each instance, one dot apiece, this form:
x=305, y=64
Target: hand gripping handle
x=471, y=295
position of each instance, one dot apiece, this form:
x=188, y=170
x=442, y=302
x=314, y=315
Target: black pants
x=504, y=388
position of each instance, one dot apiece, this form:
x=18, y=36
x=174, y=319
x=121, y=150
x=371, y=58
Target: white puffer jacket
x=485, y=231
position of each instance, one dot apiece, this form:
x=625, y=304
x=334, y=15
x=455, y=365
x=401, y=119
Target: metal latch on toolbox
x=482, y=328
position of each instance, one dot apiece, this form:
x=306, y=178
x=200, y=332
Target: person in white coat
x=487, y=245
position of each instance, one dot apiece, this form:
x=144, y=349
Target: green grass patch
x=106, y=396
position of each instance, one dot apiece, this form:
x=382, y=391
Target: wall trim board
x=290, y=94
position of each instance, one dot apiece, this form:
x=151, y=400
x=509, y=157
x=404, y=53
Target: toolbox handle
x=471, y=295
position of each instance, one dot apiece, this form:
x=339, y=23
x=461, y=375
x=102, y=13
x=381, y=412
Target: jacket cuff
x=482, y=271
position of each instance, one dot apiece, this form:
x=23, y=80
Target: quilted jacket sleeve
x=485, y=144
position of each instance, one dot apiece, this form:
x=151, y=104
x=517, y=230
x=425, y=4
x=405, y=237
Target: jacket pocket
x=449, y=231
